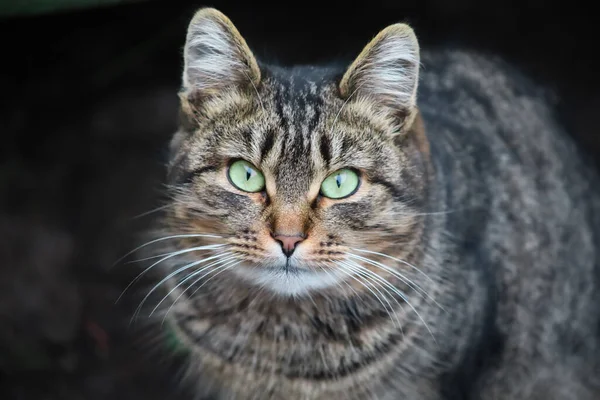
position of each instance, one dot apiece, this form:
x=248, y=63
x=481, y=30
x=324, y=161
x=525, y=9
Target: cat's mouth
x=290, y=277
x=288, y=268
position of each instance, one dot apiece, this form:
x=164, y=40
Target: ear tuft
x=386, y=71
x=216, y=56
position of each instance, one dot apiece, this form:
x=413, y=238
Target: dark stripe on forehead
x=309, y=99
x=346, y=144
x=325, y=148
x=279, y=111
x=299, y=147
x=267, y=144
x=299, y=97
x=298, y=103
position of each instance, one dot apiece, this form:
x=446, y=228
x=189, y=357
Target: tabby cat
x=376, y=231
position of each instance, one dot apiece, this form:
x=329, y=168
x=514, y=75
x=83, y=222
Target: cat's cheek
x=226, y=189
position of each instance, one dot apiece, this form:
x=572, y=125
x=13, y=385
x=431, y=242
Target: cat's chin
x=291, y=281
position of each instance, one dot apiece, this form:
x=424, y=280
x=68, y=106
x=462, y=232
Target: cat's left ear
x=216, y=56
x=386, y=73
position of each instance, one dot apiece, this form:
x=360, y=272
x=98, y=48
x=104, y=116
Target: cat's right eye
x=246, y=177
x=340, y=184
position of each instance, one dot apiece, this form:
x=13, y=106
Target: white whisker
x=255, y=90
x=398, y=260
x=367, y=271
x=196, y=273
x=344, y=268
x=222, y=268
x=419, y=214
x=353, y=267
x=190, y=265
x=320, y=265
x=189, y=250
x=191, y=235
x=342, y=108
x=167, y=256
x=398, y=275
x=402, y=295
x=152, y=211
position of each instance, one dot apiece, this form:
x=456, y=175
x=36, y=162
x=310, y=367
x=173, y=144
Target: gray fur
x=480, y=189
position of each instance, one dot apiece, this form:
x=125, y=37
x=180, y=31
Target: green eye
x=340, y=184
x=246, y=177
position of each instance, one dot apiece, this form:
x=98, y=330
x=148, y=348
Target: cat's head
x=302, y=173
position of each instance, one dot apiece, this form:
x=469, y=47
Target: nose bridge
x=290, y=219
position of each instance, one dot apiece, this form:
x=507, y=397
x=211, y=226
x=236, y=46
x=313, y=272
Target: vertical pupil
x=339, y=180
x=248, y=173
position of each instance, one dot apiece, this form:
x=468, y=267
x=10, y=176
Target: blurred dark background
x=88, y=104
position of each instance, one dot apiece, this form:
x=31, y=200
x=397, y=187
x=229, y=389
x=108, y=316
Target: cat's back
x=529, y=202
x=500, y=141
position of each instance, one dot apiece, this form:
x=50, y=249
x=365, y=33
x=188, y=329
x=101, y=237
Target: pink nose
x=288, y=242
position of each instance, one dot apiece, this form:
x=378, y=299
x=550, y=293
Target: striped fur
x=476, y=197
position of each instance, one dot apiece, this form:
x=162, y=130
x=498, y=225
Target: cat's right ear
x=216, y=57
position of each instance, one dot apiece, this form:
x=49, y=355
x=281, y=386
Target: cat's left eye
x=340, y=184
x=246, y=177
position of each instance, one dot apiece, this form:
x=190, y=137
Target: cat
x=375, y=230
